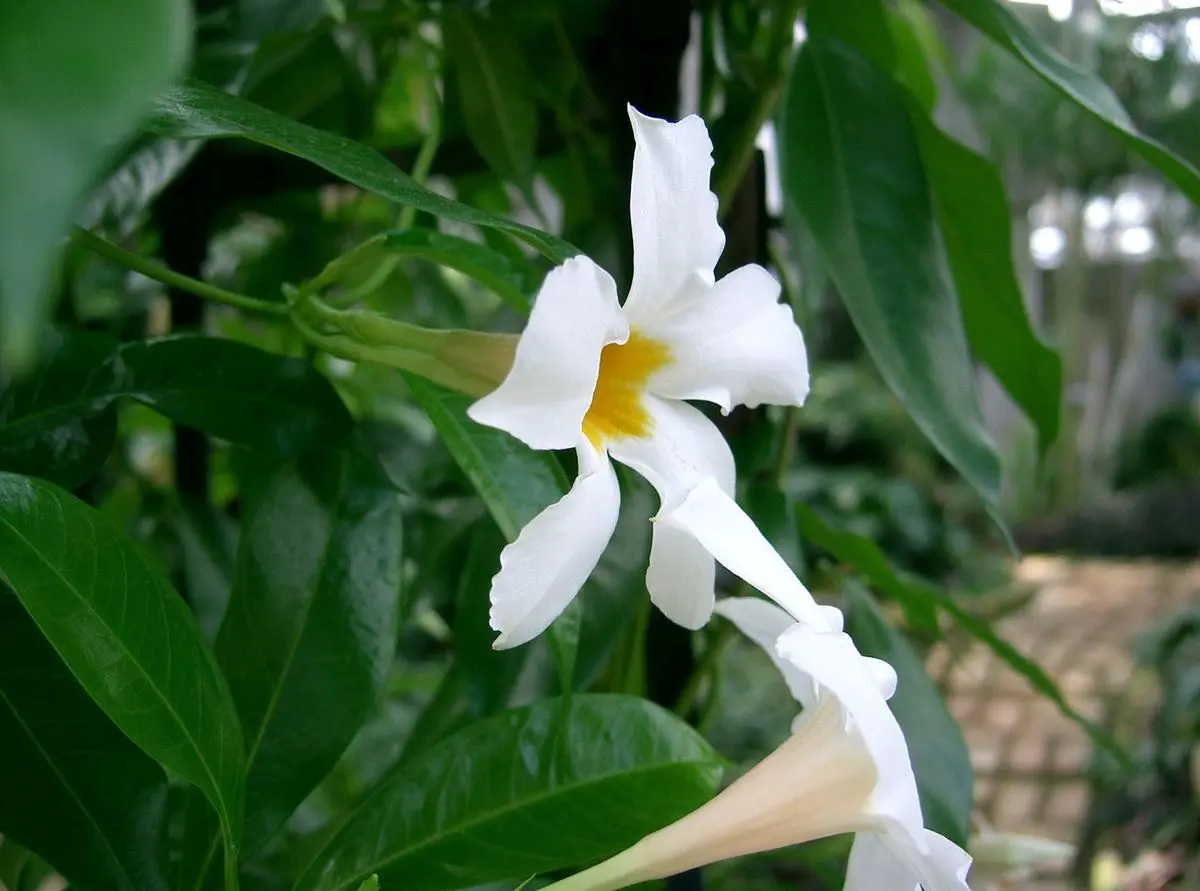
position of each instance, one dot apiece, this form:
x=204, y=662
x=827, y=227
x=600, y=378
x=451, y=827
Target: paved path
x=1029, y=759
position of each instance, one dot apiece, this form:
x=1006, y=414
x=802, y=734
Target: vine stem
x=169, y=277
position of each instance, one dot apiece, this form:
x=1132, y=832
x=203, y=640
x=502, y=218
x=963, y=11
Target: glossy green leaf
x=935, y=744
x=197, y=111
x=71, y=93
x=1001, y=24
x=973, y=214
x=311, y=626
x=309, y=634
x=237, y=392
x=558, y=783
x=489, y=267
x=515, y=482
x=125, y=635
x=872, y=218
x=495, y=92
x=488, y=676
x=76, y=790
x=59, y=423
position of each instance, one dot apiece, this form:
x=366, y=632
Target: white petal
x=681, y=577
x=881, y=862
x=764, y=622
x=543, y=399
x=840, y=672
x=874, y=867
x=714, y=519
x=684, y=447
x=674, y=214
x=732, y=344
x=542, y=571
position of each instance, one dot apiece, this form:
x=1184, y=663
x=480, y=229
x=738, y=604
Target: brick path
x=1029, y=759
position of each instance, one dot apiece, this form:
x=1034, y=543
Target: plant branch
x=170, y=278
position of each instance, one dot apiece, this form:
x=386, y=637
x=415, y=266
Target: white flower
x=610, y=380
x=844, y=769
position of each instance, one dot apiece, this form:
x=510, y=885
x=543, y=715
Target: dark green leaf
x=1002, y=25
x=197, y=111
x=495, y=92
x=872, y=218
x=76, y=790
x=237, y=392
x=58, y=421
x=77, y=77
x=935, y=744
x=489, y=267
x=515, y=483
x=911, y=68
x=311, y=626
x=488, y=676
x=309, y=634
x=551, y=785
x=208, y=546
x=126, y=636
x=972, y=211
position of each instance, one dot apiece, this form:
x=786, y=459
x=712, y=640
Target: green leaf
x=558, y=783
x=935, y=744
x=487, y=676
x=872, y=218
x=972, y=211
x=198, y=111
x=59, y=423
x=237, y=392
x=76, y=790
x=515, y=482
x=489, y=267
x=126, y=636
x=1002, y=25
x=78, y=76
x=495, y=93
x=311, y=626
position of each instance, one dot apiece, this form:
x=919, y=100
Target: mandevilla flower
x=844, y=769
x=610, y=380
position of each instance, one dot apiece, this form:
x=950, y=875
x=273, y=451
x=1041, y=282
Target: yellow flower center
x=617, y=409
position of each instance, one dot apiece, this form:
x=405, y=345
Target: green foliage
x=247, y=528
x=66, y=106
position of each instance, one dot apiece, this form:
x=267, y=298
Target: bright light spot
x=799, y=33
x=1132, y=8
x=1147, y=43
x=1060, y=10
x=1047, y=245
x=1191, y=38
x=1130, y=209
x=1098, y=212
x=1136, y=242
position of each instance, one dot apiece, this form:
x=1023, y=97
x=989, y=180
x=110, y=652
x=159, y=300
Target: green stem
x=729, y=173
x=231, y=865
x=173, y=279
x=708, y=665
x=425, y=156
